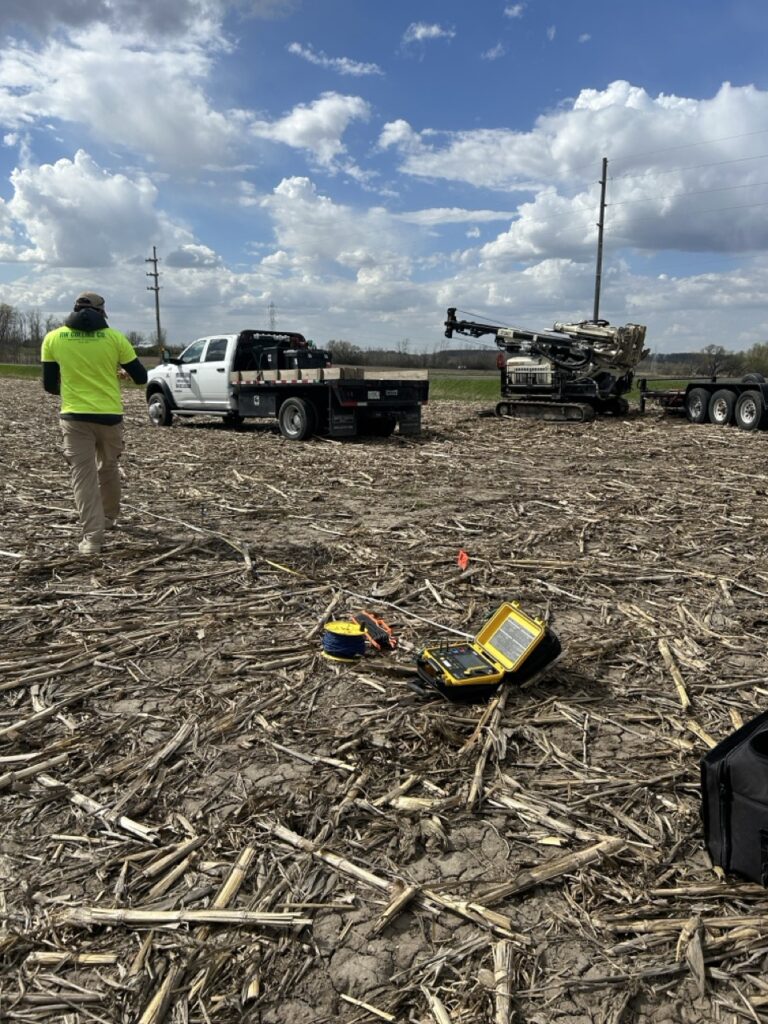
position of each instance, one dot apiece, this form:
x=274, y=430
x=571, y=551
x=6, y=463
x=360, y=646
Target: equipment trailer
x=571, y=373
x=709, y=400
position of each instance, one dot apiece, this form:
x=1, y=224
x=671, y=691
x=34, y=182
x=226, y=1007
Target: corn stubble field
x=201, y=819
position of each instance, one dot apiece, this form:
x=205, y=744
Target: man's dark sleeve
x=52, y=378
x=136, y=370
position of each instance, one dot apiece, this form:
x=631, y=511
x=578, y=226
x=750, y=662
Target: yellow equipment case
x=511, y=647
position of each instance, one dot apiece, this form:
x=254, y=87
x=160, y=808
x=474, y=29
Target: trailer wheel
x=158, y=410
x=721, y=406
x=296, y=419
x=753, y=378
x=697, y=405
x=750, y=411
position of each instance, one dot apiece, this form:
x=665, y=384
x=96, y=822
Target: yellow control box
x=475, y=668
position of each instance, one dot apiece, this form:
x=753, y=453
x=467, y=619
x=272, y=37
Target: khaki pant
x=92, y=451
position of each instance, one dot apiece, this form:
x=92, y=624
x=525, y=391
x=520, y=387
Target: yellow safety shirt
x=88, y=363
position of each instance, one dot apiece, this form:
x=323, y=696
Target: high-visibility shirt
x=88, y=363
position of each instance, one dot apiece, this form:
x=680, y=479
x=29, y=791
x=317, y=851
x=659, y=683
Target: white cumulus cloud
x=514, y=10
x=192, y=255
x=451, y=215
x=163, y=17
x=343, y=65
x=316, y=232
x=77, y=215
x=85, y=79
x=420, y=31
x=667, y=157
x=317, y=127
x=494, y=53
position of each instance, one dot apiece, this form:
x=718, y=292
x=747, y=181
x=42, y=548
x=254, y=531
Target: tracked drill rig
x=571, y=373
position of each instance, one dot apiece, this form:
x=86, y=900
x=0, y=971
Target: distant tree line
x=21, y=335
x=711, y=361
x=346, y=353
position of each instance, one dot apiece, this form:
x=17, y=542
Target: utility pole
x=272, y=313
x=600, y=226
x=154, y=259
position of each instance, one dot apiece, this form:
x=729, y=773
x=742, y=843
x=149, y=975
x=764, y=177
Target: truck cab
x=199, y=377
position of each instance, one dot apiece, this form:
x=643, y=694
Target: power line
x=716, y=209
x=693, y=192
x=690, y=167
x=688, y=145
x=672, y=149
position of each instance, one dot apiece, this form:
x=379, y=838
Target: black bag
x=734, y=801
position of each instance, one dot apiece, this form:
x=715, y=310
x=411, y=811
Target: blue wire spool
x=343, y=641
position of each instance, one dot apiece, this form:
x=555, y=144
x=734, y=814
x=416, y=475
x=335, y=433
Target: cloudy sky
x=362, y=165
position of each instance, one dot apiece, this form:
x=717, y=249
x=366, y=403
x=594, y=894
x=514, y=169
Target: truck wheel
x=750, y=411
x=753, y=378
x=296, y=419
x=697, y=405
x=159, y=411
x=721, y=406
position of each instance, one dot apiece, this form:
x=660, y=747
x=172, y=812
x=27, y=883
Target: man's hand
x=122, y=374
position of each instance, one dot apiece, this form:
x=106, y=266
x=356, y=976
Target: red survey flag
x=463, y=560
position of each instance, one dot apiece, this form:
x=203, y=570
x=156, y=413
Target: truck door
x=213, y=374
x=182, y=379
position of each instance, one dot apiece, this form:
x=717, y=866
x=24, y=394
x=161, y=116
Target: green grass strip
x=20, y=370
x=463, y=390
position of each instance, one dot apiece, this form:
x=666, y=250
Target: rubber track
x=557, y=412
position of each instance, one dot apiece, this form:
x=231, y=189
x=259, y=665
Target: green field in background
x=20, y=370
x=468, y=389
x=464, y=389
x=449, y=385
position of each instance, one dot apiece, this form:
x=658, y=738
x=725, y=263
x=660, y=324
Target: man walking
x=81, y=362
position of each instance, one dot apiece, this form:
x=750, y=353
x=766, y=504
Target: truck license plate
x=373, y=396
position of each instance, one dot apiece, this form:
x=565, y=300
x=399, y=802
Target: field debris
x=204, y=820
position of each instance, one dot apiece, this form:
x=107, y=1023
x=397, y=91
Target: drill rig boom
x=572, y=372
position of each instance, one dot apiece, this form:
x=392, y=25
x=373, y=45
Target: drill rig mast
x=571, y=373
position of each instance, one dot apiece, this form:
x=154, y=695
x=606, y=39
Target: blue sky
x=362, y=166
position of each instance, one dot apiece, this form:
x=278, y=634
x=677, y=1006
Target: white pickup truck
x=279, y=375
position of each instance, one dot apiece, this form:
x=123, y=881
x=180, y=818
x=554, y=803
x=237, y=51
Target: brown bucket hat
x=90, y=300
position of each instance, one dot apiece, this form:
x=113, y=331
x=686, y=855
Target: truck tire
x=750, y=411
x=697, y=405
x=721, y=406
x=158, y=410
x=296, y=419
x=753, y=378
